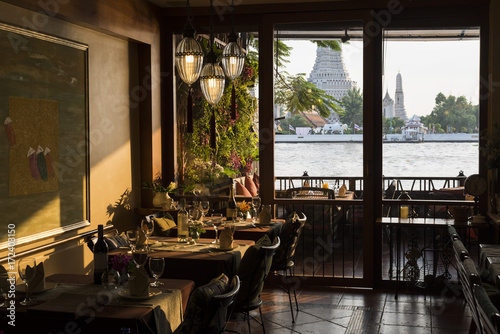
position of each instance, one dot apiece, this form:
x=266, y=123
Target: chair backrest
x=289, y=238
x=489, y=316
x=310, y=193
x=252, y=279
x=224, y=301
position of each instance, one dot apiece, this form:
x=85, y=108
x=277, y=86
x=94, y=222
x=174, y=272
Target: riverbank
x=389, y=138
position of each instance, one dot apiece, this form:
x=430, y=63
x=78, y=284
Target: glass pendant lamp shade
x=189, y=59
x=212, y=82
x=233, y=59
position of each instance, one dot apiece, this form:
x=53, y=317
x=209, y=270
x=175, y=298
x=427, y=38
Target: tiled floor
x=336, y=310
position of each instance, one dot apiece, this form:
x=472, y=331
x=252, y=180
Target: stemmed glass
x=147, y=225
x=132, y=238
x=27, y=276
x=204, y=207
x=156, y=266
x=256, y=206
x=217, y=222
x=140, y=256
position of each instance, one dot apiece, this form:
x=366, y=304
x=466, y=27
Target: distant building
x=399, y=106
x=330, y=75
x=388, y=106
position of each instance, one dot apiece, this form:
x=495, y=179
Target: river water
x=399, y=159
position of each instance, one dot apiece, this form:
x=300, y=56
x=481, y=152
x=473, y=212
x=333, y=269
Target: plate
x=126, y=294
x=48, y=286
x=217, y=248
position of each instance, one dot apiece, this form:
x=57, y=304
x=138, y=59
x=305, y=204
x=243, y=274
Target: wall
x=115, y=97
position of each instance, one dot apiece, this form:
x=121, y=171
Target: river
x=399, y=159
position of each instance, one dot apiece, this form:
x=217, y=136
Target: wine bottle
x=182, y=222
x=231, y=204
x=100, y=255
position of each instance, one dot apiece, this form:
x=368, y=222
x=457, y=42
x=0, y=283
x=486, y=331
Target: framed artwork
x=43, y=150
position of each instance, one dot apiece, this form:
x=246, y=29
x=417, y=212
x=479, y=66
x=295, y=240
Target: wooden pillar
x=266, y=110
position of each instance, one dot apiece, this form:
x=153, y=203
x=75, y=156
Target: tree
x=393, y=125
x=353, y=108
x=295, y=121
x=453, y=112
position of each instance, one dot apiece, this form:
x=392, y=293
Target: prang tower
x=399, y=106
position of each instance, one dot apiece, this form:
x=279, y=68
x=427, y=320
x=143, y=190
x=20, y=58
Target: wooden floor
x=337, y=310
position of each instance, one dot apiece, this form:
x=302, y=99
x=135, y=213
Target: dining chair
x=283, y=261
x=206, y=312
x=253, y=271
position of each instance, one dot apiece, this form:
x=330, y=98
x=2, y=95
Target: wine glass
x=156, y=266
x=216, y=222
x=256, y=206
x=204, y=207
x=147, y=225
x=140, y=256
x=27, y=276
x=193, y=213
x=132, y=238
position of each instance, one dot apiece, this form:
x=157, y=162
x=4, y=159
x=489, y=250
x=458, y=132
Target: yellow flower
x=244, y=207
x=325, y=185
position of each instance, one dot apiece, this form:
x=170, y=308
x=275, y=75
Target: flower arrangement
x=325, y=185
x=158, y=187
x=197, y=227
x=244, y=207
x=122, y=263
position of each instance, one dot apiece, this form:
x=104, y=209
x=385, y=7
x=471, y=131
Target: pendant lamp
x=189, y=61
x=233, y=59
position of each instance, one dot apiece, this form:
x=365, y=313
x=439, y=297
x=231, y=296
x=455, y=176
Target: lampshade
x=212, y=82
x=189, y=59
x=233, y=58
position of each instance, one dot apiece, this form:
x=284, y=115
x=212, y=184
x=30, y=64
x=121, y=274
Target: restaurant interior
x=95, y=92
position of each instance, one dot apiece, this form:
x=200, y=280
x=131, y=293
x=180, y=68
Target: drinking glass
x=140, y=256
x=193, y=213
x=111, y=279
x=132, y=238
x=256, y=206
x=204, y=207
x=147, y=225
x=27, y=276
x=156, y=267
x=216, y=222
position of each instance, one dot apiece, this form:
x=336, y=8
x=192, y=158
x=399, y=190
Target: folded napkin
x=139, y=283
x=265, y=217
x=342, y=190
x=141, y=238
x=163, y=226
x=38, y=282
x=226, y=238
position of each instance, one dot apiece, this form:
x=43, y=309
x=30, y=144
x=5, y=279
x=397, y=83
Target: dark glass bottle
x=231, y=204
x=100, y=255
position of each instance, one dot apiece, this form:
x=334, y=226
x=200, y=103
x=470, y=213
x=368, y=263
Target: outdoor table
x=77, y=304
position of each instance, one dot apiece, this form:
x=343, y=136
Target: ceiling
x=206, y=3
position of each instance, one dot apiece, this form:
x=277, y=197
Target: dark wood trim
x=484, y=99
x=107, y=229
x=130, y=19
x=266, y=109
x=169, y=133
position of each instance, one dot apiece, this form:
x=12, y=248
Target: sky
x=427, y=68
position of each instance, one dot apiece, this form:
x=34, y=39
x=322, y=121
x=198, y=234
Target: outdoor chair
x=283, y=261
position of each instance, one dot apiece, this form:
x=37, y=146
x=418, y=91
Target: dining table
x=245, y=229
x=71, y=303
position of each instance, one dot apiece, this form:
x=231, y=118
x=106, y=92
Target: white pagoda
x=399, y=106
x=388, y=106
x=330, y=75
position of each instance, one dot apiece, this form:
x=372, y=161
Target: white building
x=399, y=107
x=330, y=75
x=388, y=105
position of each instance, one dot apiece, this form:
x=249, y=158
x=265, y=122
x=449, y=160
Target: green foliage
x=393, y=125
x=353, y=108
x=454, y=112
x=296, y=121
x=334, y=45
x=296, y=94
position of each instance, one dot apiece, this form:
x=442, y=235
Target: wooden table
x=489, y=262
x=76, y=305
x=200, y=265
x=245, y=231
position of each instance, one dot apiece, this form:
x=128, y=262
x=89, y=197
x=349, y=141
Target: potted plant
x=161, y=198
